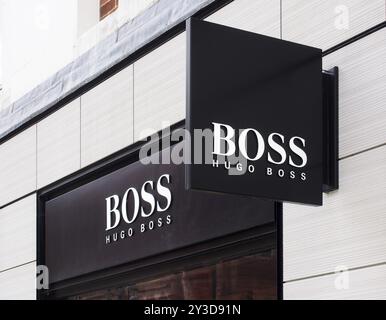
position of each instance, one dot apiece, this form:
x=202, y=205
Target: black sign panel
x=262, y=99
x=136, y=212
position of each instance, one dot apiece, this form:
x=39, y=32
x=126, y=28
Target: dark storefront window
x=251, y=277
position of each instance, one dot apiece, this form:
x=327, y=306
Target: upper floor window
x=106, y=7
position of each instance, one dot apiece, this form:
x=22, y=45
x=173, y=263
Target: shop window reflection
x=250, y=277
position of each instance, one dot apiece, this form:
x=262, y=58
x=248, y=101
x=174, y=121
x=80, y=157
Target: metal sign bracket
x=330, y=130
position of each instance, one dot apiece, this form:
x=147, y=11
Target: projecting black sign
x=135, y=212
x=261, y=98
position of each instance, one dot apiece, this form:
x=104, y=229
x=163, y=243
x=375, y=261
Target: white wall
x=88, y=15
x=37, y=40
x=127, y=10
x=39, y=37
x=18, y=250
x=338, y=251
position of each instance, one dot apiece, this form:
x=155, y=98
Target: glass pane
x=248, y=277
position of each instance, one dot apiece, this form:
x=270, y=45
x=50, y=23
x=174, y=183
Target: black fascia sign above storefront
x=271, y=111
x=135, y=212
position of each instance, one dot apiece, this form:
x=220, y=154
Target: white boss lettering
x=164, y=192
x=149, y=198
x=230, y=133
x=243, y=144
x=124, y=205
x=110, y=209
x=131, y=196
x=298, y=151
x=276, y=146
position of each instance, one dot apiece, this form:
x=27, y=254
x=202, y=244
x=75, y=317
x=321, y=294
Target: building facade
x=132, y=83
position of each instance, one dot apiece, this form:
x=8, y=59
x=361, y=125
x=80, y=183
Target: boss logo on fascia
x=276, y=149
x=138, y=211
